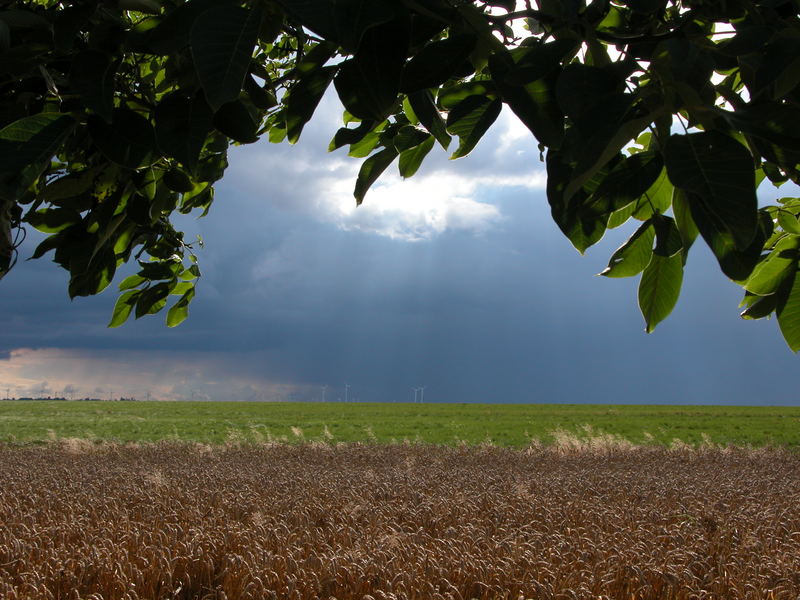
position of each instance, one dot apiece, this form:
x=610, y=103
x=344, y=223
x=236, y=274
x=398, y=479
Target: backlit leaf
x=411, y=159
x=788, y=311
x=371, y=169
x=780, y=263
x=470, y=119
x=123, y=307
x=634, y=255
x=660, y=288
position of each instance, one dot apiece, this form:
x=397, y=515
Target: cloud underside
x=443, y=197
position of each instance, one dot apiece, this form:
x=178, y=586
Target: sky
x=456, y=279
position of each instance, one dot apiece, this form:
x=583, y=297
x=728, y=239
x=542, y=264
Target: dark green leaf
x=178, y=181
x=736, y=264
x=577, y=82
x=341, y=21
x=371, y=169
x=759, y=307
x=92, y=77
x=408, y=137
x=260, y=97
x=452, y=95
x=346, y=136
x=437, y=62
x=304, y=98
x=470, y=119
x=129, y=140
x=174, y=31
x=235, y=120
x=716, y=171
x=152, y=299
x=533, y=102
x=634, y=255
x=660, y=288
x=579, y=219
x=369, y=83
x=26, y=147
x=780, y=69
x=96, y=275
x=182, y=125
x=631, y=179
x=425, y=110
x=53, y=220
x=222, y=46
x=668, y=238
x=611, y=125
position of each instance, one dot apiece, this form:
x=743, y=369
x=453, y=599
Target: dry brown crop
x=404, y=521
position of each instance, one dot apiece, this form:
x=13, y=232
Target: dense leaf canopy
x=115, y=114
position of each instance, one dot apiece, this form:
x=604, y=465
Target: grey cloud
x=289, y=303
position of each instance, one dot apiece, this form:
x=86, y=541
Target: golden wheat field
x=87, y=521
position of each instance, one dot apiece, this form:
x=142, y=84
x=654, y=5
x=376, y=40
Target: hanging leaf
x=629, y=181
x=92, y=78
x=222, y=45
x=779, y=264
x=123, y=307
x=716, y=171
x=180, y=310
x=26, y=147
x=430, y=118
x=341, y=21
x=182, y=126
x=660, y=288
x=634, y=255
x=411, y=159
x=304, y=96
x=437, y=62
x=683, y=220
x=470, y=119
x=534, y=102
x=788, y=310
x=368, y=84
x=152, y=299
x=128, y=141
x=370, y=170
x=615, y=122
x=237, y=122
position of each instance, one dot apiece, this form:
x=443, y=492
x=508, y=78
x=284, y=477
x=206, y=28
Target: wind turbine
x=346, y=389
x=324, y=389
x=422, y=395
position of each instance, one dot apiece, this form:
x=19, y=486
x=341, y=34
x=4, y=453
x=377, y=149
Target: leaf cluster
x=666, y=113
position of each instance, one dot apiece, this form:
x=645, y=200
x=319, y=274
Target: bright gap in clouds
x=444, y=196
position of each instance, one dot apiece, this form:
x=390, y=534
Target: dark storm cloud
x=491, y=304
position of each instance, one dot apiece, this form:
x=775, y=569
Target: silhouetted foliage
x=117, y=114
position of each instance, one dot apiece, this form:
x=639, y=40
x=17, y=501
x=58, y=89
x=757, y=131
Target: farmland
x=497, y=424
x=406, y=521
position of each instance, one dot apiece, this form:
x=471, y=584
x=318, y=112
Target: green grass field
x=499, y=424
